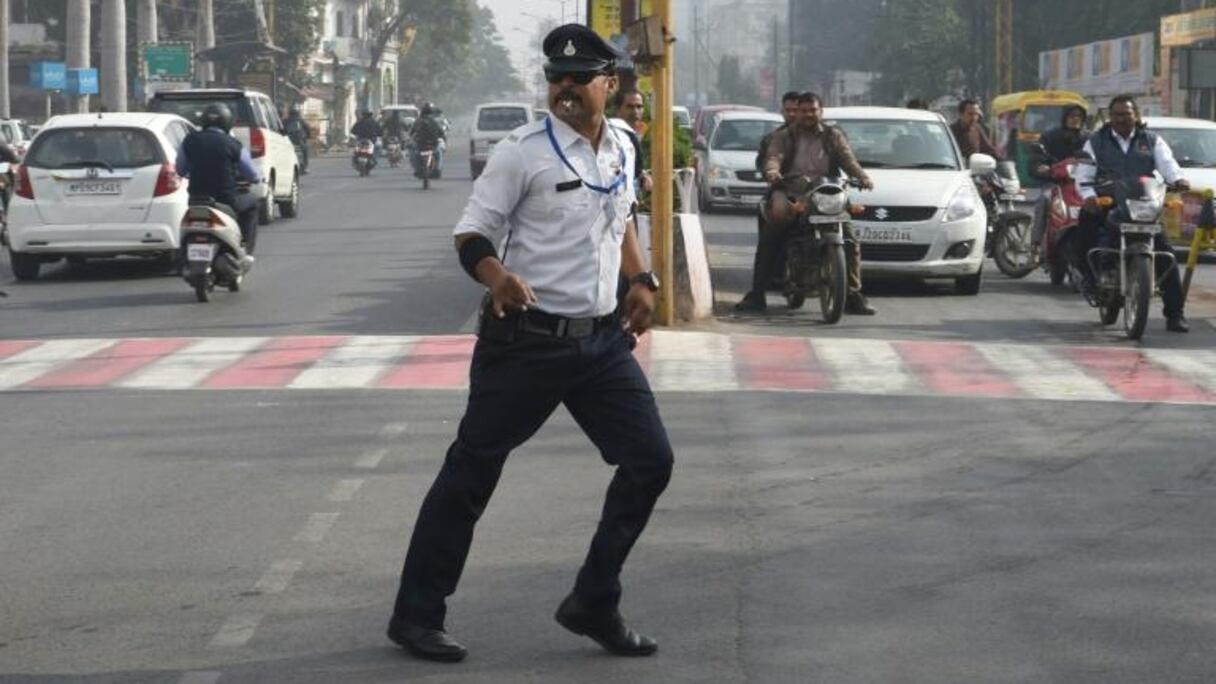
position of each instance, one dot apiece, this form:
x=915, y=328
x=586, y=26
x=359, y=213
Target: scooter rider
x=427, y=134
x=1058, y=144
x=814, y=149
x=213, y=160
x=1124, y=148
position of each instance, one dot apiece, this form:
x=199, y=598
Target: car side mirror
x=981, y=164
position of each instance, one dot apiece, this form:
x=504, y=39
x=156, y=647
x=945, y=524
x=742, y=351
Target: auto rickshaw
x=1018, y=119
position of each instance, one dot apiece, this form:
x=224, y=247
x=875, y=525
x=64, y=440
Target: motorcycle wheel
x=1011, y=251
x=1140, y=293
x=1057, y=269
x=202, y=288
x=426, y=178
x=832, y=286
x=792, y=286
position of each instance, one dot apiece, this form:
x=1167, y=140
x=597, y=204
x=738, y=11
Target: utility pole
x=5, y=108
x=79, y=47
x=114, y=55
x=205, y=40
x=696, y=54
x=147, y=30
x=661, y=200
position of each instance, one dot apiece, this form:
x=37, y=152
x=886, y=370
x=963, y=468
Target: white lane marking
x=318, y=524
x=371, y=460
x=692, y=362
x=236, y=631
x=865, y=366
x=1197, y=366
x=345, y=490
x=394, y=430
x=358, y=363
x=1042, y=374
x=200, y=677
x=470, y=325
x=276, y=579
x=40, y=360
x=190, y=366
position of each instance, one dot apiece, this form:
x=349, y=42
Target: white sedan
x=924, y=217
x=98, y=185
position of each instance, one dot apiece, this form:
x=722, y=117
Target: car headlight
x=829, y=203
x=962, y=205
x=717, y=173
x=1143, y=211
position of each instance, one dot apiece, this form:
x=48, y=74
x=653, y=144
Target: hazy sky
x=519, y=30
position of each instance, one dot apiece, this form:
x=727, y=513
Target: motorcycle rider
x=427, y=134
x=1124, y=148
x=392, y=125
x=814, y=149
x=1058, y=144
x=366, y=128
x=212, y=159
x=767, y=263
x=968, y=131
x=298, y=132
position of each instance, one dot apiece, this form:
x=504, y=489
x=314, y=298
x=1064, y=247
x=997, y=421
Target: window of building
x=339, y=24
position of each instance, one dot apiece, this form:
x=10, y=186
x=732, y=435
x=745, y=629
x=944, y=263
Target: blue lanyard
x=611, y=189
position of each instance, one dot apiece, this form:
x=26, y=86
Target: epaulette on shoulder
x=527, y=130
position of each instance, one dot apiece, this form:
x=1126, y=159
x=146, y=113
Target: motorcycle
x=1010, y=235
x=1063, y=214
x=301, y=155
x=392, y=151
x=424, y=166
x=213, y=253
x=815, y=244
x=365, y=157
x=1126, y=274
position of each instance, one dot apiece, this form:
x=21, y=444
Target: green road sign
x=168, y=61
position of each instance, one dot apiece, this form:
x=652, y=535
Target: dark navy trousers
x=514, y=387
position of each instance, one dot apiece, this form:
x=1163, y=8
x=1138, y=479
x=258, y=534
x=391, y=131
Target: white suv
x=256, y=124
x=493, y=122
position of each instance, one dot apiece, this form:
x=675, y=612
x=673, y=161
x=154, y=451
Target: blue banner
x=49, y=75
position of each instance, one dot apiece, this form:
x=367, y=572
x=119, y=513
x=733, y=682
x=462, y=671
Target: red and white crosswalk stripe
x=674, y=361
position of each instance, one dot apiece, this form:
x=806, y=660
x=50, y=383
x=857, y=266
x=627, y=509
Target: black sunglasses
x=579, y=77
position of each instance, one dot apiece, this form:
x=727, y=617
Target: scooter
x=392, y=151
x=213, y=253
x=365, y=157
x=1009, y=241
x=424, y=166
x=1063, y=214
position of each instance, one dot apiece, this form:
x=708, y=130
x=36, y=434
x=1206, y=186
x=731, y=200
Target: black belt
x=541, y=323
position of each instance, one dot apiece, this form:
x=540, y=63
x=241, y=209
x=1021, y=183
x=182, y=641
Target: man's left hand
x=639, y=310
x=1182, y=184
x=865, y=183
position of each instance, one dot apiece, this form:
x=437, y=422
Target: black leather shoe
x=857, y=305
x=607, y=631
x=751, y=303
x=428, y=644
x=1177, y=324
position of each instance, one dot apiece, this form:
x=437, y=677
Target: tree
x=921, y=47
x=486, y=69
x=442, y=49
x=297, y=29
x=732, y=86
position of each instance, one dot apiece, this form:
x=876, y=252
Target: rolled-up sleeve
x=1084, y=174
x=1163, y=156
x=496, y=193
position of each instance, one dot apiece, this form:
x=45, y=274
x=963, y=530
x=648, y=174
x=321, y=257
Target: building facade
x=342, y=66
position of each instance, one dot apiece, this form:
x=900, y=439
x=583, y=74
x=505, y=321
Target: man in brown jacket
x=814, y=149
x=968, y=131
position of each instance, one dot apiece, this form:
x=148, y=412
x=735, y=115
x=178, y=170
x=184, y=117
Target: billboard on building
x=1103, y=68
x=1179, y=30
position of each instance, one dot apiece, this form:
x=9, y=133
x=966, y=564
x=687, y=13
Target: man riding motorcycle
x=1058, y=144
x=427, y=135
x=968, y=130
x=1123, y=149
x=213, y=160
x=298, y=132
x=366, y=128
x=813, y=149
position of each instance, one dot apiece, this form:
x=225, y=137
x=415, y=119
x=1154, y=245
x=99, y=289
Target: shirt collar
x=567, y=136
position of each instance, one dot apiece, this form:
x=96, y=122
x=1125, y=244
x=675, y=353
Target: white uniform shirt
x=1163, y=158
x=565, y=244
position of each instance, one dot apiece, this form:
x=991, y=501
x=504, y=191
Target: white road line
x=692, y=362
x=393, y=430
x=865, y=366
x=371, y=460
x=345, y=490
x=276, y=579
x=1042, y=374
x=318, y=524
x=358, y=363
x=470, y=325
x=190, y=366
x=1197, y=366
x=732, y=258
x=236, y=631
x=201, y=677
x=40, y=360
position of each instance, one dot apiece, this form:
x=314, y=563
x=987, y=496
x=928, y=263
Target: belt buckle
x=579, y=327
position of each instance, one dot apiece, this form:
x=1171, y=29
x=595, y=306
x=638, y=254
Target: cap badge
x=569, y=50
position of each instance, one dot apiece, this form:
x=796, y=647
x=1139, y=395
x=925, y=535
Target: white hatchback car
x=729, y=160
x=98, y=185
x=924, y=217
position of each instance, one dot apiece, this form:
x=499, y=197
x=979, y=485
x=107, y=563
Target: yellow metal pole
x=661, y=201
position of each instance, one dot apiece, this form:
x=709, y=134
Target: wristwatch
x=647, y=278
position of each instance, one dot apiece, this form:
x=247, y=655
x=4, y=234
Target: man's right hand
x=510, y=293
x=1091, y=205
x=773, y=177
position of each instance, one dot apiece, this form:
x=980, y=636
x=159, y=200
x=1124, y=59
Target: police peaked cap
x=574, y=47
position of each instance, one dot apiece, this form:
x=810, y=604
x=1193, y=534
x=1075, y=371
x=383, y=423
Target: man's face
x=789, y=110
x=574, y=102
x=1123, y=118
x=633, y=108
x=971, y=115
x=809, y=114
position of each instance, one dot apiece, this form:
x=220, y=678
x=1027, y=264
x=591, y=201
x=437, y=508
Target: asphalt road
x=824, y=536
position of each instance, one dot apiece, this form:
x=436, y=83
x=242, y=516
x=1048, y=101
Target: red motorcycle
x=1063, y=214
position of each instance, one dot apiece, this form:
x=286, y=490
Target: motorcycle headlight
x=962, y=205
x=829, y=203
x=1144, y=211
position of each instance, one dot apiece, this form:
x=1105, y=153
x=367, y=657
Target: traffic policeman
x=555, y=196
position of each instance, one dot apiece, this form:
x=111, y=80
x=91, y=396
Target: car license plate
x=884, y=234
x=202, y=251
x=93, y=188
